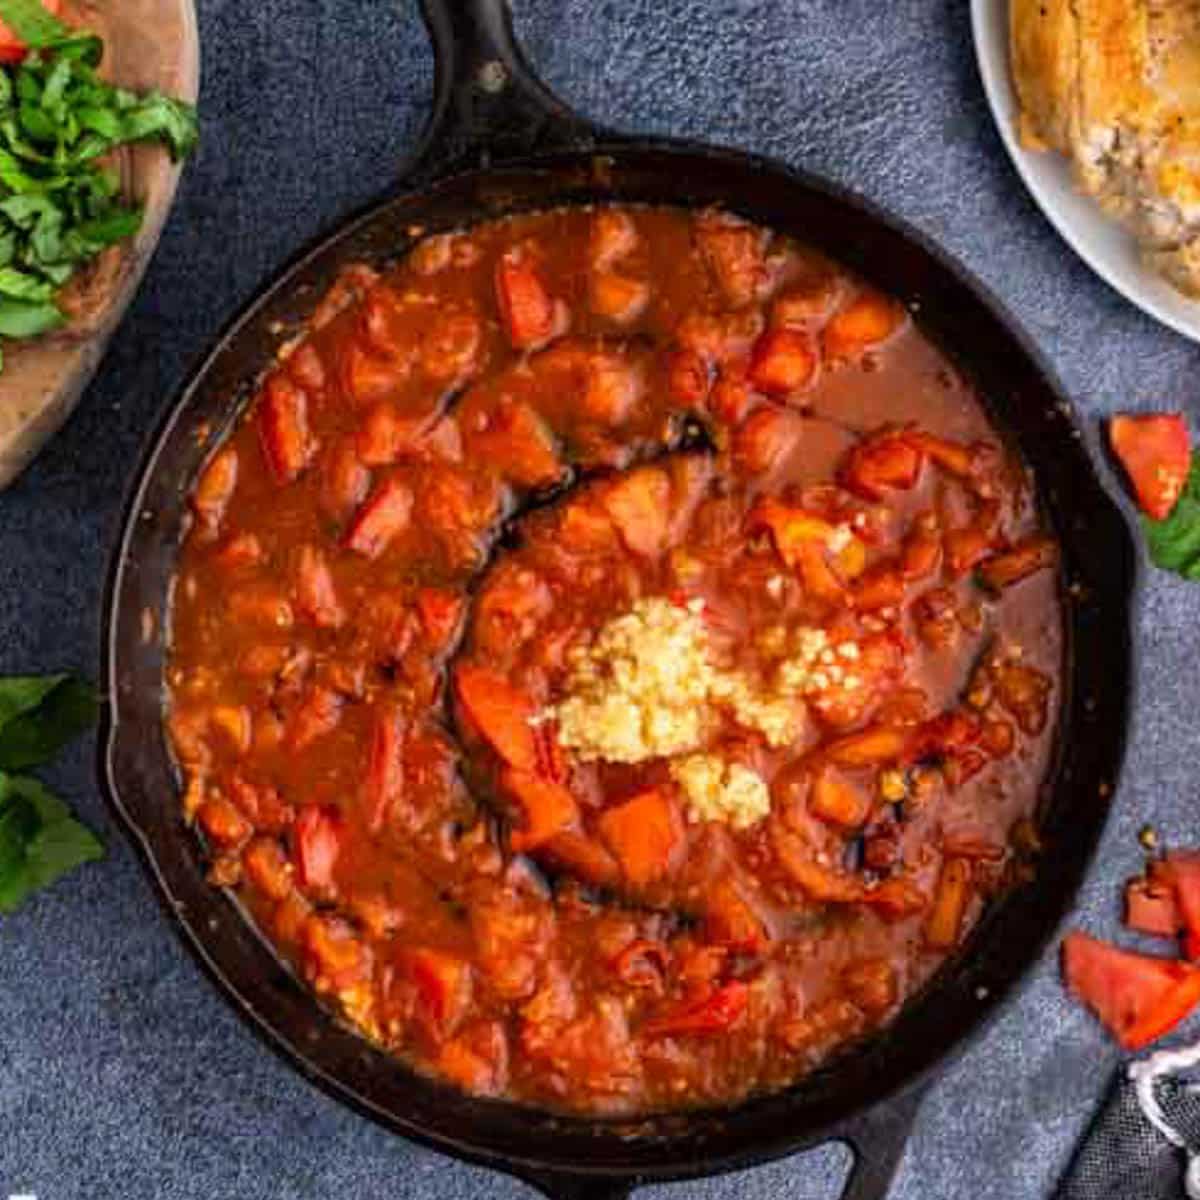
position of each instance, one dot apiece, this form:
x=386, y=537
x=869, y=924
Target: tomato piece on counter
x=384, y=516
x=12, y=49
x=1182, y=871
x=713, y=1014
x=316, y=838
x=526, y=307
x=547, y=808
x=1156, y=452
x=1151, y=908
x=1137, y=997
x=500, y=712
x=783, y=361
x=644, y=833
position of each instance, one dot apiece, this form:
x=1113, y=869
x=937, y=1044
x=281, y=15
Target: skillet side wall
x=1022, y=399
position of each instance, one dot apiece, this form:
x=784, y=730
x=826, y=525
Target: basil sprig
x=40, y=841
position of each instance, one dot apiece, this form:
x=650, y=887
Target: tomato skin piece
x=283, y=432
x=525, y=305
x=317, y=834
x=12, y=49
x=783, y=361
x=713, y=1014
x=547, y=808
x=1151, y=908
x=1156, y=452
x=881, y=463
x=1137, y=997
x=869, y=319
x=644, y=833
x=385, y=514
x=501, y=713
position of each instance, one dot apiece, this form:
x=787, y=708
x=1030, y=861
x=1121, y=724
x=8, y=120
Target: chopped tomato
x=783, y=362
x=644, y=833
x=730, y=919
x=881, y=587
x=316, y=845
x=318, y=715
x=1017, y=562
x=966, y=548
x=896, y=898
x=441, y=612
x=385, y=434
x=222, y=822
x=217, y=481
x=1182, y=871
x=525, y=305
x=547, y=808
x=477, y=1060
x=283, y=429
x=881, y=463
x=950, y=899
x=836, y=800
x=713, y=1014
x=688, y=377
x=519, y=445
x=734, y=252
x=500, y=712
x=12, y=49
x=820, y=883
x=870, y=747
x=443, y=985
x=869, y=319
x=639, y=505
x=790, y=528
x=613, y=235
x=1151, y=908
x=1156, y=452
x=765, y=438
x=583, y=857
x=385, y=767
x=1137, y=997
x=383, y=517
x=316, y=596
x=618, y=297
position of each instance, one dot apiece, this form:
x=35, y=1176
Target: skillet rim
x=112, y=730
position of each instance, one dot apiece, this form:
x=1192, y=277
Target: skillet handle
x=488, y=105
x=877, y=1141
x=577, y=1187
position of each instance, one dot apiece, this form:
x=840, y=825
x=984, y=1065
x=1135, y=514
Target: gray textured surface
x=122, y=1072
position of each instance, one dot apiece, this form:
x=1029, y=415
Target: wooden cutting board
x=149, y=44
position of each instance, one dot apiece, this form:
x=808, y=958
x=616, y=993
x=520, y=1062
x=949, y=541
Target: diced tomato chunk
x=547, y=808
x=639, y=505
x=222, y=822
x=525, y=305
x=1151, y=908
x=1018, y=562
x=317, y=836
x=318, y=715
x=869, y=319
x=1137, y=997
x=386, y=434
x=501, y=714
x=735, y=253
x=215, y=487
x=1182, y=871
x=384, y=783
x=316, y=596
x=1156, y=452
x=440, y=611
x=688, y=377
x=644, y=833
x=384, y=516
x=731, y=919
x=477, y=1060
x=613, y=236
x=267, y=868
x=790, y=528
x=950, y=900
x=880, y=463
x=518, y=444
x=836, y=800
x=443, y=983
x=618, y=297
x=287, y=445
x=765, y=438
x=783, y=362
x=713, y=1013
x=870, y=747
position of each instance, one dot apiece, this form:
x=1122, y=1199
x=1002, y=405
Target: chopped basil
x=1174, y=543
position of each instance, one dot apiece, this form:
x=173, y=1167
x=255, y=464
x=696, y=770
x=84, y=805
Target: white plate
x=1102, y=243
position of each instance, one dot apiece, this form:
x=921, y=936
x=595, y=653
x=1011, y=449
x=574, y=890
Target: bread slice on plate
x=1115, y=86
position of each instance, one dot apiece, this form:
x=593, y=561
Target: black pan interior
x=1099, y=570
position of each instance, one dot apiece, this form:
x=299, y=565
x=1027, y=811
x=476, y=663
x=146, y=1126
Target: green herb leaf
x=1174, y=544
x=21, y=320
x=40, y=716
x=39, y=840
x=30, y=21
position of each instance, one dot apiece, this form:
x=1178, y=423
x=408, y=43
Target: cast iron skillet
x=498, y=141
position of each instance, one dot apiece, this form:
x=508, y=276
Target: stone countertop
x=122, y=1071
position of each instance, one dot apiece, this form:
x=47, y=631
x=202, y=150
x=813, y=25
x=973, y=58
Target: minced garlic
x=717, y=790
x=646, y=686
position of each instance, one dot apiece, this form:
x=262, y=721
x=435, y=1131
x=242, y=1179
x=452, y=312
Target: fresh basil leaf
x=24, y=693
x=159, y=116
x=36, y=734
x=21, y=320
x=21, y=286
x=39, y=840
x=1174, y=543
x=30, y=21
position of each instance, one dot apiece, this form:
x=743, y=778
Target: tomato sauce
x=613, y=658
